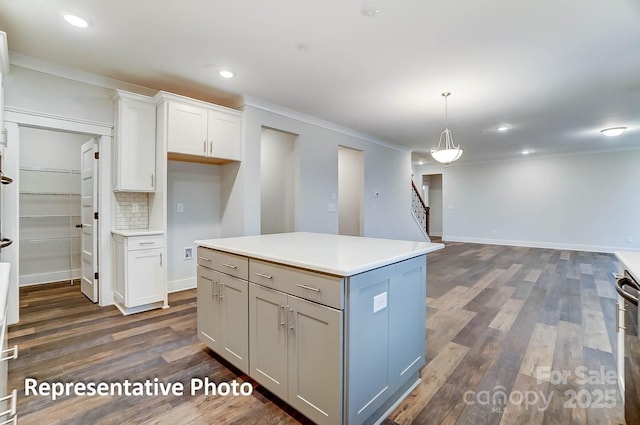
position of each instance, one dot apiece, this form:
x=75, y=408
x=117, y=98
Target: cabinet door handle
x=151, y=180
x=289, y=321
x=214, y=283
x=210, y=148
x=266, y=276
x=204, y=147
x=221, y=288
x=12, y=353
x=12, y=409
x=204, y=259
x=231, y=266
x=299, y=285
x=282, y=316
x=160, y=259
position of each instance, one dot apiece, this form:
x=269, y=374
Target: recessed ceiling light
x=503, y=128
x=526, y=152
x=225, y=73
x=613, y=131
x=76, y=21
x=420, y=162
x=370, y=11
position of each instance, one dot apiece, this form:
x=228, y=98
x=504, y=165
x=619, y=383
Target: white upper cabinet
x=200, y=132
x=134, y=154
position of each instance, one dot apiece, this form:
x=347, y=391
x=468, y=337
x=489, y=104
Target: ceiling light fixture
x=613, y=131
x=451, y=152
x=503, y=128
x=370, y=11
x=225, y=73
x=76, y=21
x=526, y=152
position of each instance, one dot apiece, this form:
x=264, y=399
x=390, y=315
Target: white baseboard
x=182, y=284
x=38, y=279
x=537, y=244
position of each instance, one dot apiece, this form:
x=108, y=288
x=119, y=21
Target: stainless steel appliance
x=628, y=345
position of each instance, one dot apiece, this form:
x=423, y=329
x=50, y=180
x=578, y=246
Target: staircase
x=420, y=210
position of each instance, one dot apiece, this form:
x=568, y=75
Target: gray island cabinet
x=333, y=325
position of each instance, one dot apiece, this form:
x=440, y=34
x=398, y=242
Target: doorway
x=350, y=191
x=278, y=181
x=17, y=123
x=432, y=188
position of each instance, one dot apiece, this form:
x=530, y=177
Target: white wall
x=584, y=202
x=50, y=149
x=197, y=187
x=350, y=191
x=278, y=178
x=36, y=91
x=387, y=171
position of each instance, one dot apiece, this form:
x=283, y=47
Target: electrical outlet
x=379, y=302
x=188, y=253
x=134, y=207
x=629, y=239
x=180, y=207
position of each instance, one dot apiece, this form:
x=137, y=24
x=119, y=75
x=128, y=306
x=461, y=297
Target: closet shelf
x=51, y=193
x=38, y=216
x=39, y=240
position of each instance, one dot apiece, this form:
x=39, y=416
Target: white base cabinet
x=139, y=273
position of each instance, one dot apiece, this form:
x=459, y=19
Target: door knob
x=79, y=226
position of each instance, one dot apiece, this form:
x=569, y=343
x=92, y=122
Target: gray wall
x=584, y=202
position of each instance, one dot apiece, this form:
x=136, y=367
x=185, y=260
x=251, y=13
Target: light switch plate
x=180, y=207
x=331, y=207
x=380, y=302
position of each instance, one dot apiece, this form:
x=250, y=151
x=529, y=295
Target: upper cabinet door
x=224, y=135
x=187, y=130
x=135, y=143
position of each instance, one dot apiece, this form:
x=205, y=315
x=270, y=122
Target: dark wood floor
x=496, y=318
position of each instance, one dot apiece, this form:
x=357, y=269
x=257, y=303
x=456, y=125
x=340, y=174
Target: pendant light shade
x=446, y=152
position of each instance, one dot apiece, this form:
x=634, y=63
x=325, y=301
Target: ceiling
x=555, y=72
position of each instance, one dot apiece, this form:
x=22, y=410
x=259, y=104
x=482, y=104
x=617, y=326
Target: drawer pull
x=266, y=276
x=147, y=243
x=12, y=354
x=204, y=259
x=283, y=315
x=231, y=266
x=307, y=287
x=12, y=409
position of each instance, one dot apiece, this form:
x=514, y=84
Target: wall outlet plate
x=188, y=253
x=180, y=207
x=380, y=302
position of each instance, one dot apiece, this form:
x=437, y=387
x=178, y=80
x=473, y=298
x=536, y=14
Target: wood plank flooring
x=511, y=333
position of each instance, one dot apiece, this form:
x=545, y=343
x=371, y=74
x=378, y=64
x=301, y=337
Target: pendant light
x=449, y=151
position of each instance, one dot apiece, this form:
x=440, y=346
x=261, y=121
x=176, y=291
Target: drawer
x=312, y=286
x=231, y=264
x=144, y=242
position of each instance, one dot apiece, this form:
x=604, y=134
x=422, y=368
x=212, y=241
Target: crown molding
x=35, y=64
x=299, y=116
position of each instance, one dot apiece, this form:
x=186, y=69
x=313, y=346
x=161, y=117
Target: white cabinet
x=198, y=131
x=296, y=352
x=134, y=153
x=139, y=272
x=222, y=307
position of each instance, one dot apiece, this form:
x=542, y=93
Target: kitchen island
x=333, y=325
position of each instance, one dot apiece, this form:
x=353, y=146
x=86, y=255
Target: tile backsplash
x=126, y=204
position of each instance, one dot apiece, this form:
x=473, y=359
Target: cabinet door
x=224, y=135
x=406, y=320
x=136, y=146
x=208, y=308
x=315, y=360
x=187, y=128
x=268, y=338
x=145, y=277
x=234, y=321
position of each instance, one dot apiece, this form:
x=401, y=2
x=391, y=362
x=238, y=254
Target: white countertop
x=630, y=261
x=333, y=254
x=129, y=233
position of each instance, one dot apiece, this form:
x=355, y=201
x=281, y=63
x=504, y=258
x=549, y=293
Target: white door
x=89, y=234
